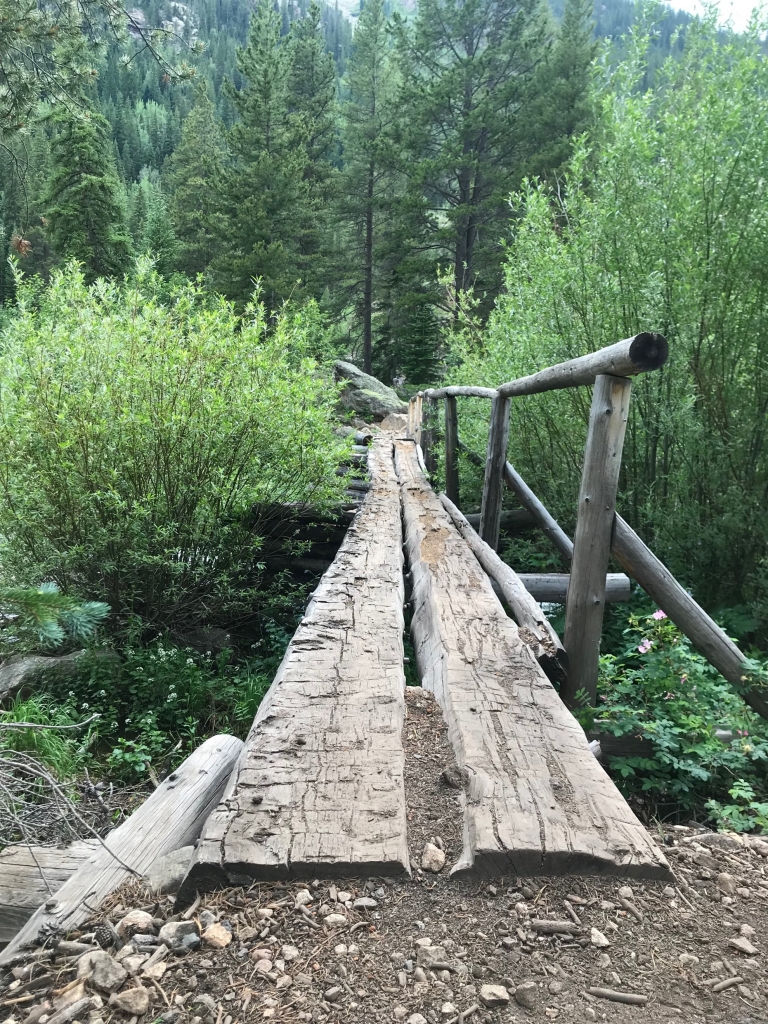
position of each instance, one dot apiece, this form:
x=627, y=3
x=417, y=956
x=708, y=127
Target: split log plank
x=170, y=818
x=30, y=875
x=536, y=801
x=319, y=787
x=536, y=630
x=585, y=603
x=493, y=482
x=640, y=354
x=553, y=586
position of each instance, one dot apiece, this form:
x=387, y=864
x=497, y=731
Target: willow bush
x=661, y=225
x=143, y=434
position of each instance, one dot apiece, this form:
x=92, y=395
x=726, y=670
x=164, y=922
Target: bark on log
x=458, y=391
x=553, y=586
x=170, y=818
x=30, y=875
x=536, y=630
x=690, y=618
x=640, y=354
x=319, y=787
x=585, y=602
x=535, y=801
x=493, y=482
x=452, y=449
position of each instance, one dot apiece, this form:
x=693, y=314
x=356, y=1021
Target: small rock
x=427, y=955
x=669, y=891
x=217, y=936
x=603, y=960
x=168, y=872
x=335, y=920
x=206, y=919
x=264, y=913
x=598, y=939
x=423, y=940
x=284, y=983
x=289, y=953
x=556, y=987
x=343, y=897
x=419, y=975
x=448, y=1010
x=303, y=897
x=494, y=995
x=341, y=949
x=205, y=1000
x=133, y=1001
x=333, y=994
x=688, y=959
x=263, y=966
x=101, y=970
x=526, y=994
x=176, y=935
x=416, y=1018
x=365, y=903
x=747, y=931
x=302, y=980
x=745, y=992
x=726, y=883
x=432, y=858
x=399, y=1012
x=759, y=846
x=135, y=921
x=743, y=945
x=626, y=893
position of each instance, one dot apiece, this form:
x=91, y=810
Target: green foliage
x=50, y=614
x=141, y=440
x=660, y=689
x=661, y=225
x=65, y=751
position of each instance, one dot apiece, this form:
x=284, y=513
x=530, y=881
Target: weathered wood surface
x=689, y=617
x=30, y=875
x=536, y=630
x=170, y=818
x=493, y=481
x=452, y=449
x=429, y=434
x=585, y=603
x=319, y=787
x=640, y=354
x=553, y=586
x=513, y=519
x=536, y=801
x=459, y=391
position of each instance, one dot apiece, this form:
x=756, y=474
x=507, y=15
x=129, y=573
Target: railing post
x=418, y=413
x=428, y=434
x=585, y=602
x=495, y=461
x=451, y=449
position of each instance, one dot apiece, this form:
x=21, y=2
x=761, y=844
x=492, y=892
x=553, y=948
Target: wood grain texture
x=536, y=801
x=451, y=448
x=585, y=603
x=319, y=787
x=553, y=586
x=30, y=875
x=537, y=632
x=638, y=354
x=170, y=818
x=493, y=481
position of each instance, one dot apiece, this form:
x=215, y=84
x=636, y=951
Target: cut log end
x=649, y=351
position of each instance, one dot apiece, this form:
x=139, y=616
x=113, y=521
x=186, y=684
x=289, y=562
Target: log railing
x=600, y=532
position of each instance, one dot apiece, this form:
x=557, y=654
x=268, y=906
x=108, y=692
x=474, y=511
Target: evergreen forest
x=204, y=205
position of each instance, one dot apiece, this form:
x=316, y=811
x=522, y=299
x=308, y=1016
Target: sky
x=738, y=11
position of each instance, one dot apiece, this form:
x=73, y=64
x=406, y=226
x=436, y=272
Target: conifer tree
x=195, y=175
x=84, y=200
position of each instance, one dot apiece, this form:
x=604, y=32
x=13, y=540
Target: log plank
x=319, y=787
x=535, y=801
x=169, y=818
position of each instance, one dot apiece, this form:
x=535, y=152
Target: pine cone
x=105, y=936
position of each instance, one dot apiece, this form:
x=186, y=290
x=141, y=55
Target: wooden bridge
x=317, y=789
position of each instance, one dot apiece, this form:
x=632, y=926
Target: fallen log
x=30, y=875
x=170, y=818
x=318, y=790
x=535, y=800
x=536, y=630
x=553, y=586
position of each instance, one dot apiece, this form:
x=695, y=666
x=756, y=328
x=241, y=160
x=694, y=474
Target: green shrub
x=660, y=689
x=143, y=434
x=65, y=751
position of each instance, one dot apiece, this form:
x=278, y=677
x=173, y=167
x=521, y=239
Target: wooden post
x=418, y=414
x=451, y=449
x=495, y=461
x=411, y=416
x=428, y=434
x=594, y=526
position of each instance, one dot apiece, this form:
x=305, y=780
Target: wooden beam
x=553, y=586
x=428, y=436
x=495, y=461
x=319, y=788
x=452, y=448
x=461, y=392
x=514, y=520
x=585, y=602
x=626, y=358
x=535, y=630
x=690, y=618
x=535, y=800
x=169, y=818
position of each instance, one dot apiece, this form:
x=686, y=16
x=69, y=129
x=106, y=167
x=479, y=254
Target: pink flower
x=669, y=695
x=645, y=646
x=659, y=614
x=683, y=679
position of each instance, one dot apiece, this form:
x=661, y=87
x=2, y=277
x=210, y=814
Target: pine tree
x=367, y=185
x=466, y=66
x=83, y=199
x=194, y=174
